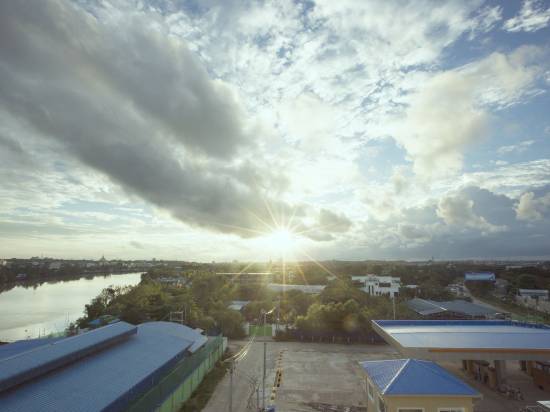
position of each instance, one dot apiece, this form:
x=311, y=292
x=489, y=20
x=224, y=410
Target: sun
x=281, y=240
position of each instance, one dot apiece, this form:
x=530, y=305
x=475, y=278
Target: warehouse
x=118, y=367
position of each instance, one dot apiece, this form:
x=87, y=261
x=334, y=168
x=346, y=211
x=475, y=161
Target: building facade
x=378, y=285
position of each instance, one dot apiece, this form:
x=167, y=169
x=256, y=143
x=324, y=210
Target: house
x=411, y=385
x=378, y=285
x=479, y=277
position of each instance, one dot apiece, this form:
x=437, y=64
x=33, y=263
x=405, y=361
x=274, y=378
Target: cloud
x=450, y=111
x=532, y=16
x=334, y=222
x=517, y=148
x=532, y=208
x=457, y=210
x=131, y=101
x=136, y=244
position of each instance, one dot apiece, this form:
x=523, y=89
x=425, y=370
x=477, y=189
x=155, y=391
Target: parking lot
x=317, y=377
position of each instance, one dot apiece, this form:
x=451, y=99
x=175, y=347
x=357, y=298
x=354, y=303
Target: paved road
x=247, y=371
x=480, y=302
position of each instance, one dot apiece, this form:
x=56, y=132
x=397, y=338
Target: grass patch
x=202, y=394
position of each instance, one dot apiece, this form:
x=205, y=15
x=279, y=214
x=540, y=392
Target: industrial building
x=453, y=309
x=118, y=367
x=483, y=346
x=411, y=385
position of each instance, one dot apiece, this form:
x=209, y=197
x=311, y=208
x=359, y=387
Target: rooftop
x=483, y=276
x=284, y=287
x=429, y=307
x=415, y=377
x=466, y=339
x=123, y=362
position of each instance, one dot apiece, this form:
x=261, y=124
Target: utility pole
x=393, y=305
x=231, y=370
x=265, y=357
x=263, y=379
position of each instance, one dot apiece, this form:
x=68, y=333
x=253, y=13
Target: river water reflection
x=48, y=308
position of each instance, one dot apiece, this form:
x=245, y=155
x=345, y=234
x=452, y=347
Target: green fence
x=260, y=330
x=176, y=387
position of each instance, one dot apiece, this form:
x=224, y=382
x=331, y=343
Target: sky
x=221, y=130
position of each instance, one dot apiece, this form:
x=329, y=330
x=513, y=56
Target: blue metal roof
x=415, y=377
x=184, y=332
x=465, y=334
x=107, y=380
x=480, y=276
x=15, y=348
x=42, y=359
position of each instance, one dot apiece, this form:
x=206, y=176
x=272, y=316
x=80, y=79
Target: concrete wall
x=183, y=392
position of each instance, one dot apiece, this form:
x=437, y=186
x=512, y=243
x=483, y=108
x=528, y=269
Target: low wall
x=179, y=384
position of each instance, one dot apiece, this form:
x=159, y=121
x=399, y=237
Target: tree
x=527, y=281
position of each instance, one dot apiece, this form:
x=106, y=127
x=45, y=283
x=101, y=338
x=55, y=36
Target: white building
x=379, y=285
x=55, y=265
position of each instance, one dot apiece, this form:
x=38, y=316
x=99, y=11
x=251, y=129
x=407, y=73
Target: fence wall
x=178, y=386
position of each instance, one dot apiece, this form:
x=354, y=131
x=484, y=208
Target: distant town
x=227, y=309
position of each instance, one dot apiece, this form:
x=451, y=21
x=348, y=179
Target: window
x=381, y=405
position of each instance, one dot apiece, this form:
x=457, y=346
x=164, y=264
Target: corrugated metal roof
x=180, y=331
x=429, y=307
x=15, y=348
x=483, y=276
x=108, y=380
x=43, y=359
x=424, y=307
x=415, y=377
x=487, y=334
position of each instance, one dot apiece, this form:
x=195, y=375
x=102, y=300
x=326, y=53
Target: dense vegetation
x=203, y=303
x=342, y=309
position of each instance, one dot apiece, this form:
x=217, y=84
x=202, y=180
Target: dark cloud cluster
x=131, y=101
x=472, y=222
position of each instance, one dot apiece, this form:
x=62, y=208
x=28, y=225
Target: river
x=27, y=312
